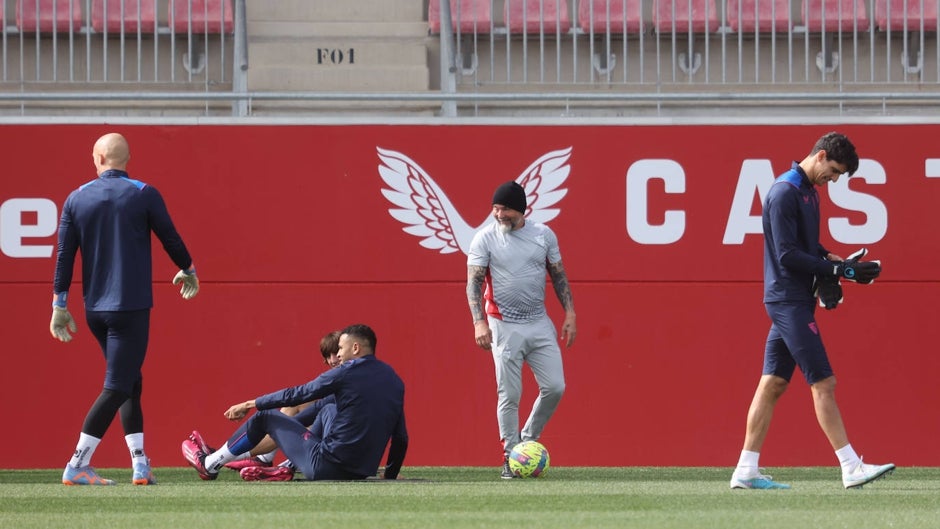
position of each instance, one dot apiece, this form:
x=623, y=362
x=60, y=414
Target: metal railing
x=643, y=43
x=582, y=57
x=115, y=46
x=803, y=52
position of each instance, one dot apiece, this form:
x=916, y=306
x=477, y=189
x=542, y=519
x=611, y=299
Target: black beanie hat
x=510, y=195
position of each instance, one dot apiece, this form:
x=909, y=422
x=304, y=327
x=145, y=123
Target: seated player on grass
x=262, y=456
x=348, y=437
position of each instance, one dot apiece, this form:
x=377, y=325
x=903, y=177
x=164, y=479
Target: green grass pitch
x=460, y=497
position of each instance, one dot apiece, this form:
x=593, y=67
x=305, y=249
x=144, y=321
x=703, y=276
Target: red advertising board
x=298, y=230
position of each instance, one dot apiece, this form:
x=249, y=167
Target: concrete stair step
x=302, y=29
x=335, y=11
x=338, y=52
x=344, y=78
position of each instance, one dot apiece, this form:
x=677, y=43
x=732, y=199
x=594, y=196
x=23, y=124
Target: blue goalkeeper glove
x=853, y=269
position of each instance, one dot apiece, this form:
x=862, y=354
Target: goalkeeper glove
x=863, y=272
x=61, y=324
x=190, y=282
x=829, y=292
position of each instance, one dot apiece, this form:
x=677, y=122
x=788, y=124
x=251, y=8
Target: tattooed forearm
x=556, y=271
x=475, y=277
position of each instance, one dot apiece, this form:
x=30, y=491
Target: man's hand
x=190, y=283
x=61, y=324
x=238, y=411
x=568, y=330
x=853, y=269
x=381, y=474
x=482, y=334
x=829, y=292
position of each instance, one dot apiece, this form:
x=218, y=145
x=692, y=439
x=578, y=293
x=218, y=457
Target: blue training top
x=110, y=220
x=370, y=401
x=793, y=254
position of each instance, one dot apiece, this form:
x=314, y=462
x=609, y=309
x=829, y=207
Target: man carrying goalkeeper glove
x=797, y=268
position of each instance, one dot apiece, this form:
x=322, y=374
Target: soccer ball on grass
x=528, y=459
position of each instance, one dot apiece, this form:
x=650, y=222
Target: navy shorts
x=794, y=340
x=123, y=337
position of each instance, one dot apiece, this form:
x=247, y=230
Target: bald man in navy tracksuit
x=109, y=220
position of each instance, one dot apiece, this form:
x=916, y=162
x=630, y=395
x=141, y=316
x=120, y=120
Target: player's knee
x=114, y=396
x=263, y=414
x=553, y=390
x=507, y=397
x=138, y=389
x=773, y=386
x=826, y=386
x=507, y=406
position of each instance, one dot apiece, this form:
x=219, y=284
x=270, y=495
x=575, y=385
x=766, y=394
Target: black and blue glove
x=829, y=291
x=853, y=269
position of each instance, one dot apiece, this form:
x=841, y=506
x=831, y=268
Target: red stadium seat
x=835, y=15
x=208, y=16
x=129, y=15
x=626, y=16
x=759, y=15
x=49, y=15
x=535, y=16
x=697, y=16
x=470, y=15
x=891, y=14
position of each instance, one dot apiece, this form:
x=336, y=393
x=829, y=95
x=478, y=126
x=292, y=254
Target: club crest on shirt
x=426, y=211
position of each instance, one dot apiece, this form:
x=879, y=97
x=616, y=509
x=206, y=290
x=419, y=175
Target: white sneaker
x=864, y=473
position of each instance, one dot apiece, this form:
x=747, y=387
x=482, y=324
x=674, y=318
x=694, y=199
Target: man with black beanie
x=506, y=267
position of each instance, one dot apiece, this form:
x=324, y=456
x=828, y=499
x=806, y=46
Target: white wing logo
x=426, y=212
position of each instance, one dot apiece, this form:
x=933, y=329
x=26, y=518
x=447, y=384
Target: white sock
x=268, y=457
x=84, y=450
x=216, y=460
x=135, y=443
x=747, y=464
x=848, y=459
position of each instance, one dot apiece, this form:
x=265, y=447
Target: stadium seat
x=759, y=15
x=835, y=15
x=127, y=15
x=697, y=16
x=471, y=16
x=535, y=16
x=49, y=15
x=890, y=14
x=592, y=16
x=208, y=16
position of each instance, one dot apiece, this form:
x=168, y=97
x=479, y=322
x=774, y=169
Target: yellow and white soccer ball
x=529, y=459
